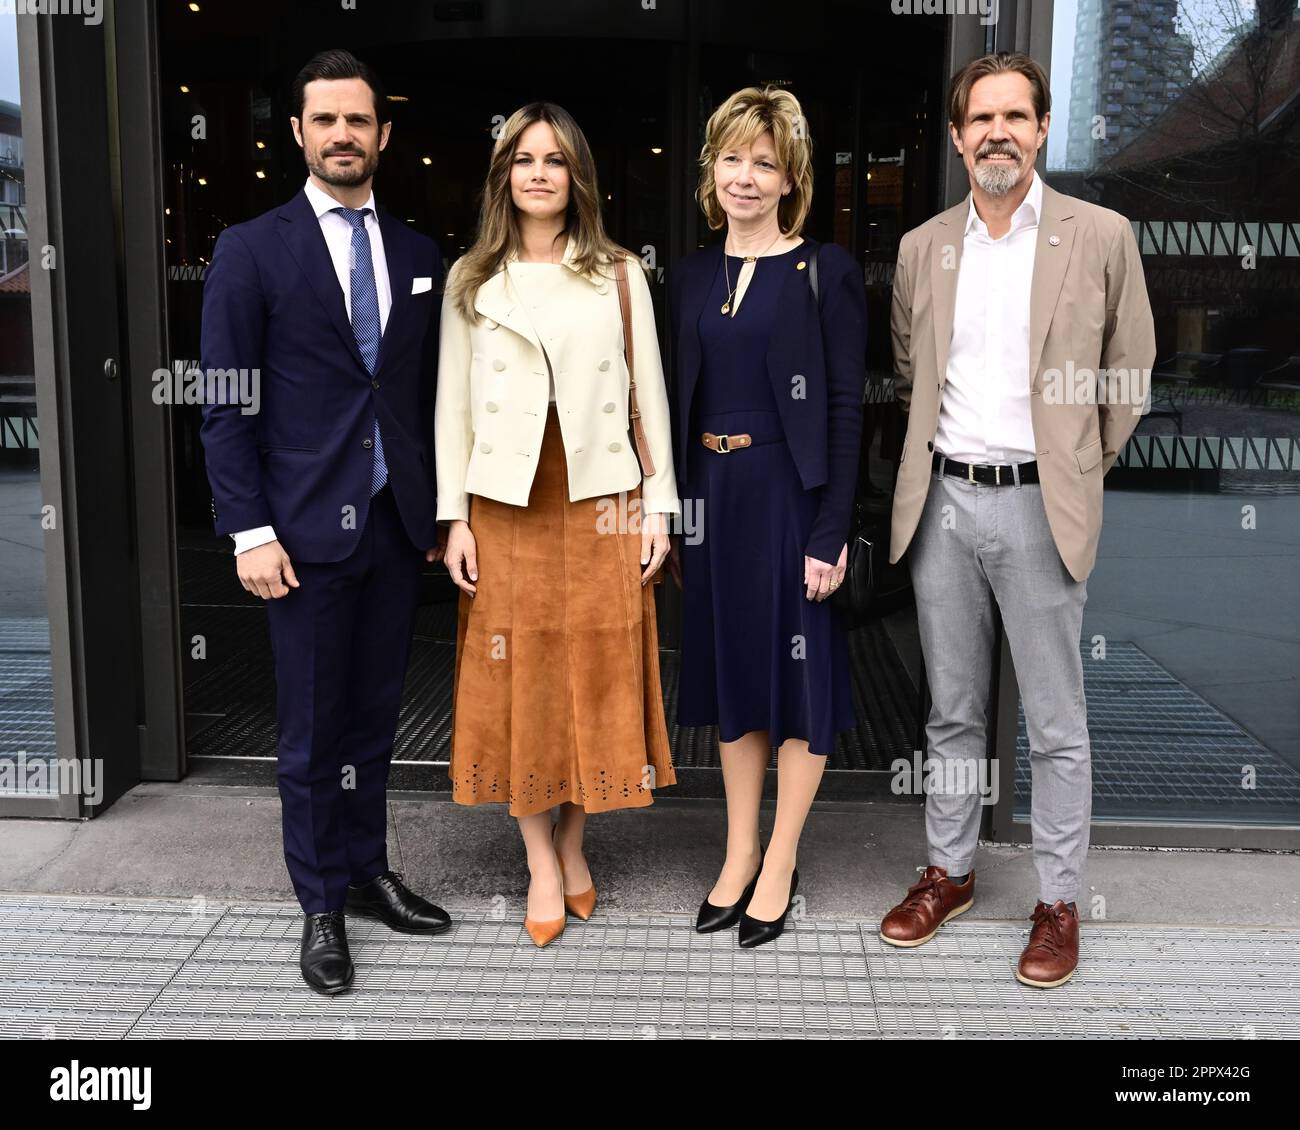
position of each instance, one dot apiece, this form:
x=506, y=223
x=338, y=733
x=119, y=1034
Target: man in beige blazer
x=1023, y=346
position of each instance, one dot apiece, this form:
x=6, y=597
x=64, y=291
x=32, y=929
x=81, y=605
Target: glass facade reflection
x=1185, y=117
x=26, y=694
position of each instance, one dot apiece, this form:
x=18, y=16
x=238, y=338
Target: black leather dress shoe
x=387, y=898
x=712, y=918
x=325, y=961
x=754, y=931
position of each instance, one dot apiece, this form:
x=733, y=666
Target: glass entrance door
x=641, y=85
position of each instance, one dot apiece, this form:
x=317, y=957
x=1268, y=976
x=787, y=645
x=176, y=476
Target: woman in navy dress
x=767, y=425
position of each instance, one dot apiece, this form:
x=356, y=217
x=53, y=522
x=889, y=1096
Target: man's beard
x=344, y=178
x=997, y=180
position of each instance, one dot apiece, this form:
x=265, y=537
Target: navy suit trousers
x=341, y=642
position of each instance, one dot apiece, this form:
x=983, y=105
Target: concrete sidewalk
x=168, y=916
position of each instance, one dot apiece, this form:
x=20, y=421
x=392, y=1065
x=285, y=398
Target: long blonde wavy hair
x=497, y=236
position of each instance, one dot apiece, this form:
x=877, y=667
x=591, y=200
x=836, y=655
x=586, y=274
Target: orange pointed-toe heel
x=583, y=903
x=544, y=933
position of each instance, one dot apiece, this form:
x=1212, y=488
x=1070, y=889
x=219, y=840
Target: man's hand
x=265, y=571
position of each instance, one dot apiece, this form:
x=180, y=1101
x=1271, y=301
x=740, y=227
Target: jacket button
x=603, y=365
x=486, y=448
x=498, y=365
x=367, y=444
x=491, y=405
x=608, y=406
x=374, y=384
x=616, y=446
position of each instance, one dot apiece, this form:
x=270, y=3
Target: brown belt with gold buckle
x=725, y=443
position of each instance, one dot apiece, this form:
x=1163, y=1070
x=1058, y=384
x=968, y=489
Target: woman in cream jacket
x=556, y=698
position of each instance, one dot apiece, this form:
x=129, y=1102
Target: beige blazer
x=1089, y=312
x=494, y=392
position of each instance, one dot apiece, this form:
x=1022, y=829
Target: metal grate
x=232, y=690
x=1158, y=748
x=26, y=689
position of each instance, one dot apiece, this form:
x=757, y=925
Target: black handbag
x=870, y=582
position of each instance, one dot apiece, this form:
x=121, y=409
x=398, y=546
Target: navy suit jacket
x=303, y=462
x=827, y=346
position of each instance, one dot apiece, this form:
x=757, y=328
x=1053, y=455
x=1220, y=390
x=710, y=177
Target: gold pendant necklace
x=726, y=267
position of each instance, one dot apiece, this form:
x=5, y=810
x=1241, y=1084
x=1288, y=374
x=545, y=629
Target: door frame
x=81, y=370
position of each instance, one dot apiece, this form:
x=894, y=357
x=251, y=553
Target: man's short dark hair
x=336, y=64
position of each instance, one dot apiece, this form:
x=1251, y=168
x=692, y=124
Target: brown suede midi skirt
x=556, y=694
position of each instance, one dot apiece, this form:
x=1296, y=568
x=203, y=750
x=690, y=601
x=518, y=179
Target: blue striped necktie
x=365, y=318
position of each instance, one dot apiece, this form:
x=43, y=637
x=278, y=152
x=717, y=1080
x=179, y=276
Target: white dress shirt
x=984, y=414
x=338, y=239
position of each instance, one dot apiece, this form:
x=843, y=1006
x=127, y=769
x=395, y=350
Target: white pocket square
x=419, y=286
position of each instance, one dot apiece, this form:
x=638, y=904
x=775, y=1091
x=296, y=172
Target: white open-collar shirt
x=984, y=415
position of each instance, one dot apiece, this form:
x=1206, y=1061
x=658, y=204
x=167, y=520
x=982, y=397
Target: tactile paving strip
x=1159, y=749
x=91, y=967
x=158, y=968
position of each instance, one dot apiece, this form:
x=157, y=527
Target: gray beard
x=344, y=179
x=997, y=180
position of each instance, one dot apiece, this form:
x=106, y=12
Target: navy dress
x=756, y=653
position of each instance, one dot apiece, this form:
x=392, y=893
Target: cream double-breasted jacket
x=494, y=392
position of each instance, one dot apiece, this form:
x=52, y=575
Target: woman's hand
x=654, y=544
x=821, y=579
x=461, y=556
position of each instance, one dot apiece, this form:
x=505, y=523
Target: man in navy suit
x=328, y=491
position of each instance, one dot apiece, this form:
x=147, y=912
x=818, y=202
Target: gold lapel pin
x=799, y=266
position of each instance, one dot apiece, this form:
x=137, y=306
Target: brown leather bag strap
x=634, y=413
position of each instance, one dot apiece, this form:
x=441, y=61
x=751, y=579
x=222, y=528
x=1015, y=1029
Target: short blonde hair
x=741, y=120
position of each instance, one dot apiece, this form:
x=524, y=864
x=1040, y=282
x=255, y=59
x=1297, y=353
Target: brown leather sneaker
x=929, y=904
x=1053, y=950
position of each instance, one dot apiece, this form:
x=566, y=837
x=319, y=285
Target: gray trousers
x=975, y=545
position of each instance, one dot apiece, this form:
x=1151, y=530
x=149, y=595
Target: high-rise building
x=1130, y=62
